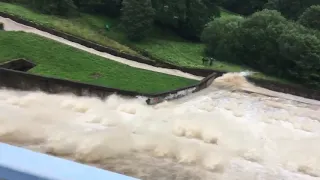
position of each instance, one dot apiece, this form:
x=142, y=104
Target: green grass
x=84, y=26
x=161, y=44
x=58, y=60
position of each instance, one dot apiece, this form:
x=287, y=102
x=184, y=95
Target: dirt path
x=10, y=25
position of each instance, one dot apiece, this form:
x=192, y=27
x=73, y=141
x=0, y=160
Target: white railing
x=22, y=164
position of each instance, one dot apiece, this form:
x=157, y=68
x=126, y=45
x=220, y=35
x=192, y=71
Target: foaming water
x=213, y=134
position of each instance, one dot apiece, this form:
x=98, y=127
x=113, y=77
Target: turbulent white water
x=214, y=134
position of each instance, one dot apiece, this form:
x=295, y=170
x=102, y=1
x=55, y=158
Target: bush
x=258, y=39
x=217, y=33
x=311, y=17
x=299, y=49
x=137, y=18
x=1, y=26
x=267, y=42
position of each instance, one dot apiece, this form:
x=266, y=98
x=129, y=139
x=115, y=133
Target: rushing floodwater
x=217, y=134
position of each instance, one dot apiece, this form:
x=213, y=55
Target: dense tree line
x=311, y=17
x=186, y=17
x=142, y=11
x=291, y=9
x=268, y=42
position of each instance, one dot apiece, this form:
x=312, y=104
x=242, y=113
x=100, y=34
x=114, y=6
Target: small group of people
x=206, y=60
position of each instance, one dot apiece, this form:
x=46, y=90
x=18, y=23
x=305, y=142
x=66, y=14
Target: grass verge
x=161, y=43
x=62, y=61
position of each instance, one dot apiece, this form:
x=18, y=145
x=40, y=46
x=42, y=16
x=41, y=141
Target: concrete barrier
x=175, y=94
x=22, y=164
x=30, y=82
x=287, y=88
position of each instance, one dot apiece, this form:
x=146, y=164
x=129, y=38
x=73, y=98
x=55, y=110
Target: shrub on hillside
x=299, y=50
x=137, y=18
x=218, y=33
x=258, y=39
x=268, y=42
x=311, y=17
x=1, y=26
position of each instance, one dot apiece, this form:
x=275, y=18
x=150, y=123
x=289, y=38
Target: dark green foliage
x=244, y=7
x=267, y=42
x=300, y=50
x=137, y=18
x=196, y=18
x=57, y=7
x=311, y=17
x=291, y=9
x=187, y=17
x=218, y=33
x=107, y=7
x=15, y=1
x=258, y=40
x=1, y=26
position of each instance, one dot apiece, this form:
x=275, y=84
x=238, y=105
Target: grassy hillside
x=58, y=60
x=161, y=44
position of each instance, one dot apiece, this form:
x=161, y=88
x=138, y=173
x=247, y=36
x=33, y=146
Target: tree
x=311, y=17
x=290, y=9
x=258, y=39
x=218, y=34
x=197, y=15
x=57, y=7
x=137, y=18
x=267, y=42
x=299, y=48
x=187, y=17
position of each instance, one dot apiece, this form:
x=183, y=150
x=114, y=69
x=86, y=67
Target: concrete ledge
x=12, y=76
x=287, y=88
x=16, y=79
x=22, y=164
x=170, y=95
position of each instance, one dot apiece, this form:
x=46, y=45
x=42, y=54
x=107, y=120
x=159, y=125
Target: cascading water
x=218, y=133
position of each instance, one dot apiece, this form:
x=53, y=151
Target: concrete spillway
x=218, y=133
